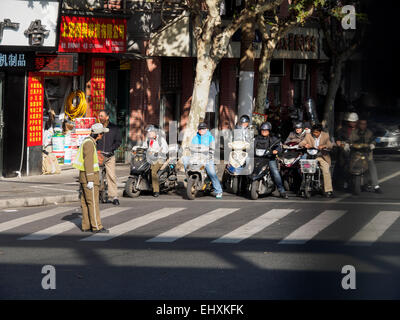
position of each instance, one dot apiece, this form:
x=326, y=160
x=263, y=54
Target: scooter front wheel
x=130, y=188
x=357, y=185
x=254, y=190
x=191, y=189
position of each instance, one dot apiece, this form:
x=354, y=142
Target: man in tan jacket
x=88, y=165
x=320, y=140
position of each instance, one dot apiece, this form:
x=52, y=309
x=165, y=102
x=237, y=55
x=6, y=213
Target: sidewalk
x=56, y=188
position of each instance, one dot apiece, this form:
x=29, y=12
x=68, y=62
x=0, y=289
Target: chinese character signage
x=98, y=85
x=29, y=24
x=64, y=62
x=35, y=109
x=13, y=60
x=89, y=34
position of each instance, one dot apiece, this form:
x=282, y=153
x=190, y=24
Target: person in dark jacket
x=265, y=141
x=107, y=145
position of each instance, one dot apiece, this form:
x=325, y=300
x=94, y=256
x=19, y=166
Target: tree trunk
x=329, y=108
x=264, y=73
x=204, y=71
x=246, y=77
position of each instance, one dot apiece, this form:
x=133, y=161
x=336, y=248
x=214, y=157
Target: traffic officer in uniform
x=87, y=163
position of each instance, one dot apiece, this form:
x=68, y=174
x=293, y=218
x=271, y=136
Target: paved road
x=234, y=248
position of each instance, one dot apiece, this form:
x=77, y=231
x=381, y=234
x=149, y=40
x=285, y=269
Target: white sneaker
x=218, y=196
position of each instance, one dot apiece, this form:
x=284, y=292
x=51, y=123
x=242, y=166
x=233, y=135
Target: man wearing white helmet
x=343, y=135
x=87, y=163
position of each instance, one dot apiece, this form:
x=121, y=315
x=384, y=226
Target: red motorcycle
x=289, y=163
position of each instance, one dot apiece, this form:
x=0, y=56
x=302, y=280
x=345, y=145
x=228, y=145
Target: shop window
x=56, y=91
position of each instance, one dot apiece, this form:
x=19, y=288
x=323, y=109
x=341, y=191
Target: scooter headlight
x=312, y=152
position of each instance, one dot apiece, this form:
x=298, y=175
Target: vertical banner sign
x=35, y=110
x=98, y=86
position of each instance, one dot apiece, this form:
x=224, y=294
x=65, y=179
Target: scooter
x=196, y=174
x=290, y=166
x=358, y=166
x=238, y=166
x=140, y=173
x=260, y=182
x=312, y=180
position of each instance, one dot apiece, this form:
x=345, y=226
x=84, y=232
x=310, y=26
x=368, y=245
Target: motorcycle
x=358, y=166
x=196, y=174
x=312, y=180
x=290, y=166
x=260, y=182
x=140, y=173
x=237, y=167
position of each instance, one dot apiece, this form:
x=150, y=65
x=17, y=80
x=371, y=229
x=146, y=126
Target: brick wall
x=187, y=89
x=228, y=94
x=144, y=96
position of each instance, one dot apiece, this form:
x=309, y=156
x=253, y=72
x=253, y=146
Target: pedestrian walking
x=107, y=145
x=87, y=163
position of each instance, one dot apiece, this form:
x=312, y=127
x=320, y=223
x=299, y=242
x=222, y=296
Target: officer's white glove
x=372, y=146
x=346, y=147
x=90, y=185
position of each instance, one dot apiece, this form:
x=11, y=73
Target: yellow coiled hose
x=79, y=110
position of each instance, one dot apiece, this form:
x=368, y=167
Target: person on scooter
x=205, y=138
x=320, y=140
x=158, y=151
x=341, y=174
x=264, y=141
x=297, y=135
x=365, y=136
x=242, y=130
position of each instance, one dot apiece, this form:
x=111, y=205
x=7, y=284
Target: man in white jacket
x=157, y=152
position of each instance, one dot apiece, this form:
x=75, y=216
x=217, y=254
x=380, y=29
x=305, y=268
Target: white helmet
x=352, y=116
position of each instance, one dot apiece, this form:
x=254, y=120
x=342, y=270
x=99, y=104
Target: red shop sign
x=35, y=109
x=89, y=34
x=98, y=86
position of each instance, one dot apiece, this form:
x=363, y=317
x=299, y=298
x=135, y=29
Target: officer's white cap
x=98, y=128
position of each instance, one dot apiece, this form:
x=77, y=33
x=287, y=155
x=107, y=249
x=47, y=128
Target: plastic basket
x=308, y=166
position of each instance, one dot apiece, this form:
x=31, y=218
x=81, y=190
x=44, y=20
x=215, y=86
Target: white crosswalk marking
x=133, y=224
x=68, y=225
x=313, y=227
x=375, y=228
x=192, y=225
x=32, y=218
x=254, y=226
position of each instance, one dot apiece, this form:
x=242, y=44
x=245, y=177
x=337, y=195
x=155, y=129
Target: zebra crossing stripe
x=32, y=218
x=254, y=226
x=372, y=231
x=68, y=225
x=133, y=224
x=313, y=227
x=192, y=225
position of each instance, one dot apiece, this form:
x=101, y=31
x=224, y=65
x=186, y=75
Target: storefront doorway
x=1, y=121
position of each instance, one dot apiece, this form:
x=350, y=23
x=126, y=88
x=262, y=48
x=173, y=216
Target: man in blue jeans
x=205, y=138
x=265, y=141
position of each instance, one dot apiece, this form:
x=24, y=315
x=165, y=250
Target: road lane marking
x=254, y=226
x=31, y=218
x=394, y=175
x=133, y=224
x=192, y=225
x=313, y=227
x=372, y=231
x=68, y=225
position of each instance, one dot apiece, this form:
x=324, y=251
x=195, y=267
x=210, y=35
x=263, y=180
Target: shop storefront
x=27, y=29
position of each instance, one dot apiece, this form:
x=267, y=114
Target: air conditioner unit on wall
x=299, y=71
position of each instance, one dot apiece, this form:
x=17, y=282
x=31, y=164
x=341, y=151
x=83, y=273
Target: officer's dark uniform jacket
x=262, y=142
x=111, y=140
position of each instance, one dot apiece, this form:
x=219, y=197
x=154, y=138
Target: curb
x=42, y=201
